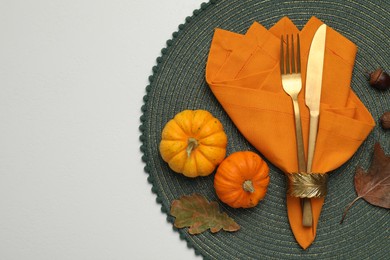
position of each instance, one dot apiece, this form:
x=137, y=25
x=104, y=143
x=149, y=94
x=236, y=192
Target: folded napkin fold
x=243, y=73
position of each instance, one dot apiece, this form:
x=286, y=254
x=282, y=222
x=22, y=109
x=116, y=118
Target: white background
x=72, y=77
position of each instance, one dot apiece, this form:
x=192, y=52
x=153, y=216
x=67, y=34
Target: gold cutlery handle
x=307, y=216
x=299, y=137
x=312, y=139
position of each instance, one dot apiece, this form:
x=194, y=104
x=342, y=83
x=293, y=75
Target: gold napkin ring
x=307, y=185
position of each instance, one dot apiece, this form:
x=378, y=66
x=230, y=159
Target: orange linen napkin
x=243, y=73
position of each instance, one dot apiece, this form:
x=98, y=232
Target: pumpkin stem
x=192, y=144
x=248, y=186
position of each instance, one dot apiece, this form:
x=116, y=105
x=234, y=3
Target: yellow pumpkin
x=193, y=143
x=242, y=179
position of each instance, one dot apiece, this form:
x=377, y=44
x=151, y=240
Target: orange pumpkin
x=193, y=143
x=242, y=179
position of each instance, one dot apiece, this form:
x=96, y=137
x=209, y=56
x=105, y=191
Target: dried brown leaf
x=374, y=185
x=197, y=213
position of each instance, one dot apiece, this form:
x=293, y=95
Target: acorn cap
x=379, y=79
x=385, y=120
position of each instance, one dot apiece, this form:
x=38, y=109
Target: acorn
x=385, y=120
x=379, y=79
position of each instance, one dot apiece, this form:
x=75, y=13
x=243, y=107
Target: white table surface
x=72, y=77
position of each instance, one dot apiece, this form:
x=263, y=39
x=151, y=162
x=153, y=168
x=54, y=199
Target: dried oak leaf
x=197, y=213
x=373, y=186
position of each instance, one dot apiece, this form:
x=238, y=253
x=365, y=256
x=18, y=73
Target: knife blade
x=314, y=73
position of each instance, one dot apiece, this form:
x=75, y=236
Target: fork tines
x=288, y=60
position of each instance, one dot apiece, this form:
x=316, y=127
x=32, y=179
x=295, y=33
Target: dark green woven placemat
x=178, y=83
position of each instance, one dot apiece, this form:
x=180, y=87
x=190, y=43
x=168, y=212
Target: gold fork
x=290, y=68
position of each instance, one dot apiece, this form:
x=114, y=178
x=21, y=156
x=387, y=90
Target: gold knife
x=314, y=71
x=315, y=66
